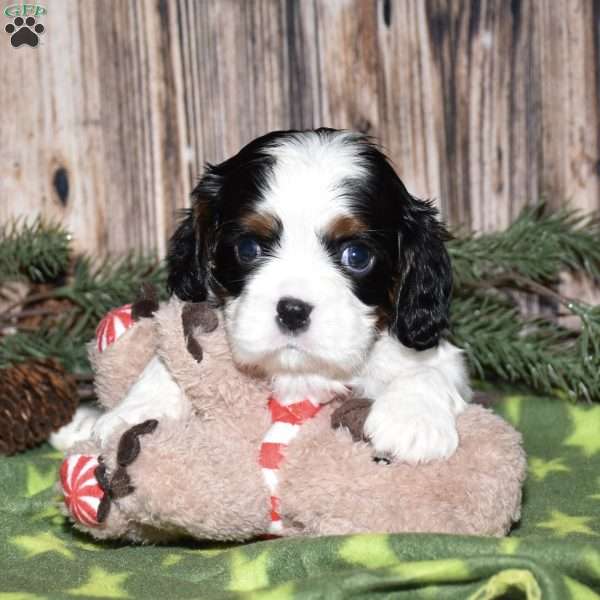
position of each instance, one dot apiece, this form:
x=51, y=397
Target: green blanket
x=553, y=553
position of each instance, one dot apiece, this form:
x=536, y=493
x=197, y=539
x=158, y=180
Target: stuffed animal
x=238, y=465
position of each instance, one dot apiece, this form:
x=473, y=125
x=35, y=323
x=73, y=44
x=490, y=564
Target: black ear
x=422, y=302
x=189, y=247
x=186, y=263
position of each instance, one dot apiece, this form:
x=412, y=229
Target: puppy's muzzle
x=293, y=315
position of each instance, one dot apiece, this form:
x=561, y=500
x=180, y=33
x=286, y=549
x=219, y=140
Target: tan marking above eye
x=345, y=227
x=261, y=224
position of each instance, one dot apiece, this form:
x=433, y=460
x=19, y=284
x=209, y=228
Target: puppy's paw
x=78, y=430
x=154, y=395
x=413, y=431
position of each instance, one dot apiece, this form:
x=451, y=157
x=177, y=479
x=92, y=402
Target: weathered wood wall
x=484, y=105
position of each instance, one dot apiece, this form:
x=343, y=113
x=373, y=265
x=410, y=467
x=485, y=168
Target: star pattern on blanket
x=513, y=406
x=38, y=480
x=506, y=582
x=380, y=553
x=596, y=496
x=248, y=573
x=592, y=559
x=43, y=542
x=556, y=543
x=509, y=545
x=171, y=559
x=102, y=584
x=585, y=434
x=49, y=513
x=564, y=524
x=540, y=468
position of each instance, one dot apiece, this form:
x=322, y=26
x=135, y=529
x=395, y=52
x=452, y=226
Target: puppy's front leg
x=155, y=395
x=413, y=419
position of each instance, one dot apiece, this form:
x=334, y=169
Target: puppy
x=331, y=278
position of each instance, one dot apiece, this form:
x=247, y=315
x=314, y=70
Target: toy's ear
x=422, y=300
x=190, y=245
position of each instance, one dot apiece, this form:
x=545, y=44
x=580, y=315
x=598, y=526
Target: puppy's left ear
x=422, y=301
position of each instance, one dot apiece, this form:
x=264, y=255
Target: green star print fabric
x=553, y=553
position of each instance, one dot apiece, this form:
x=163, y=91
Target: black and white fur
x=302, y=201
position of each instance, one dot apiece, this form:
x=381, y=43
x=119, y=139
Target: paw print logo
x=24, y=31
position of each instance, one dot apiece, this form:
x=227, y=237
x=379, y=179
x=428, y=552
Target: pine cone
x=36, y=398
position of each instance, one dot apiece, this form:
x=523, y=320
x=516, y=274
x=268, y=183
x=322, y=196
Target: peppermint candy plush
x=82, y=494
x=113, y=326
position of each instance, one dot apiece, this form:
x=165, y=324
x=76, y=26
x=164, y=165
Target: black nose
x=292, y=314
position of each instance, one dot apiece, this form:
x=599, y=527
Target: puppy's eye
x=247, y=250
x=357, y=258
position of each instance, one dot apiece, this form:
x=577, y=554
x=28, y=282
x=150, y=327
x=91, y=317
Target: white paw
x=153, y=396
x=108, y=423
x=413, y=431
x=78, y=430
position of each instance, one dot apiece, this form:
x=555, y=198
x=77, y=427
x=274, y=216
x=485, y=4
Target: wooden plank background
x=484, y=105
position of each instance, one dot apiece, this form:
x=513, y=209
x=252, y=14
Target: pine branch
x=51, y=340
x=92, y=291
x=500, y=343
x=538, y=246
x=100, y=287
x=37, y=251
x=529, y=257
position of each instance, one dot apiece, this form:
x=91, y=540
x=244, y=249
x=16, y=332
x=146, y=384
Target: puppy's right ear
x=190, y=245
x=187, y=272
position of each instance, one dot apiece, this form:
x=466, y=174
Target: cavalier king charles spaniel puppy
x=330, y=278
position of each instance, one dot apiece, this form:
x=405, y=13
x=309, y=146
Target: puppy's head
x=313, y=246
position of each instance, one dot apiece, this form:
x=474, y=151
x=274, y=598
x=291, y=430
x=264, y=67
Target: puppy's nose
x=293, y=314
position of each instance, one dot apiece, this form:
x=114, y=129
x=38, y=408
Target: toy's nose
x=293, y=314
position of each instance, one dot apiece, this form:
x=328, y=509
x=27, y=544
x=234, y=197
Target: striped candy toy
x=82, y=494
x=285, y=424
x=113, y=326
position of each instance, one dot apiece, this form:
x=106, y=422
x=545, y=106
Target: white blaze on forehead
x=305, y=190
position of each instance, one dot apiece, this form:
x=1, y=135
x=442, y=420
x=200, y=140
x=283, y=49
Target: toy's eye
x=357, y=258
x=247, y=250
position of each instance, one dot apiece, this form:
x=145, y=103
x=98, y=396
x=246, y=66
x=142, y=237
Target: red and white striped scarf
x=286, y=421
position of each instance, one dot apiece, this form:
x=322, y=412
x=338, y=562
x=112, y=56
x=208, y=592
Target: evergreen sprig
x=87, y=290
x=58, y=340
x=528, y=258
x=538, y=245
x=96, y=287
x=499, y=341
x=38, y=251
